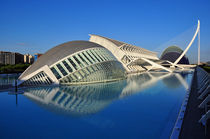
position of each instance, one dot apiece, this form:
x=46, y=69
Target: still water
x=8, y=79
x=142, y=106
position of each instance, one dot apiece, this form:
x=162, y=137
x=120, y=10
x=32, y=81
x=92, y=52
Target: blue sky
x=28, y=26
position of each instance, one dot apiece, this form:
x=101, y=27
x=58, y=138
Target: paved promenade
x=191, y=129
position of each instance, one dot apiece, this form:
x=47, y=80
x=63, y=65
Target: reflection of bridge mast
x=134, y=86
x=182, y=81
x=149, y=79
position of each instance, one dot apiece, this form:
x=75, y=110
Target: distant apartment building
x=11, y=58
x=28, y=59
x=36, y=56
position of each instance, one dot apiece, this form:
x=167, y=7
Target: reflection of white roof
x=75, y=100
x=91, y=98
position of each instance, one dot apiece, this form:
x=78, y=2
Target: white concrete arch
x=189, y=45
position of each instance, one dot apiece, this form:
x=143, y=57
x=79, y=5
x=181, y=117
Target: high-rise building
x=31, y=59
x=19, y=58
x=28, y=59
x=11, y=58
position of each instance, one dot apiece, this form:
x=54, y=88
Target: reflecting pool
x=8, y=79
x=142, y=106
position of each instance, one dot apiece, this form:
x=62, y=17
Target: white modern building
x=100, y=59
x=127, y=54
x=75, y=62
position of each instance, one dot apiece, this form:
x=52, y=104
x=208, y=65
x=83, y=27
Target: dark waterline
x=143, y=106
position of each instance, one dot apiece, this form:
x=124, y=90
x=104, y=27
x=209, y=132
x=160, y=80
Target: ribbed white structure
x=125, y=53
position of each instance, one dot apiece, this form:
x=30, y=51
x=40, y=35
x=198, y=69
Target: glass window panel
x=83, y=59
x=69, y=79
x=66, y=80
x=98, y=66
x=99, y=54
x=77, y=60
x=73, y=64
x=87, y=71
x=103, y=56
x=91, y=56
x=67, y=66
x=106, y=55
x=57, y=75
x=97, y=57
x=90, y=69
x=87, y=58
x=61, y=69
x=94, y=68
x=41, y=81
x=78, y=74
x=82, y=72
x=49, y=79
x=46, y=81
x=75, y=76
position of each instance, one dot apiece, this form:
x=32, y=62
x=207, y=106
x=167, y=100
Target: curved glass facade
x=87, y=66
x=77, y=62
x=101, y=72
x=39, y=79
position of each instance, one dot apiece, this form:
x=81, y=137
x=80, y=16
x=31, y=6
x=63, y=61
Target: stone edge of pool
x=178, y=124
x=187, y=124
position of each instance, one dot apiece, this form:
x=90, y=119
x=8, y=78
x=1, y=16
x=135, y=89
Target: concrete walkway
x=191, y=128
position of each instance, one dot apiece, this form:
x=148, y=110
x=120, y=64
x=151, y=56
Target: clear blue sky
x=28, y=26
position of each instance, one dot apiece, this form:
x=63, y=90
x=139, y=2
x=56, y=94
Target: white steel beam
x=155, y=65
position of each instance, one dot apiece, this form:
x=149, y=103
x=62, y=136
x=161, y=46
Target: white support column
x=199, y=46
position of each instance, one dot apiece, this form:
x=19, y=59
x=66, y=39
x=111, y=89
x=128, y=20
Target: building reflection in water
x=89, y=99
x=76, y=100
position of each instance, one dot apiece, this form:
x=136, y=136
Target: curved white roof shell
x=125, y=53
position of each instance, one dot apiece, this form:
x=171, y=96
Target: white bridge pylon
x=189, y=45
x=155, y=65
x=129, y=54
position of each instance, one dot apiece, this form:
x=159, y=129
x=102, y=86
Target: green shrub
x=13, y=68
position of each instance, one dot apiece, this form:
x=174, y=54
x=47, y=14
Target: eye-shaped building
x=172, y=53
x=75, y=62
